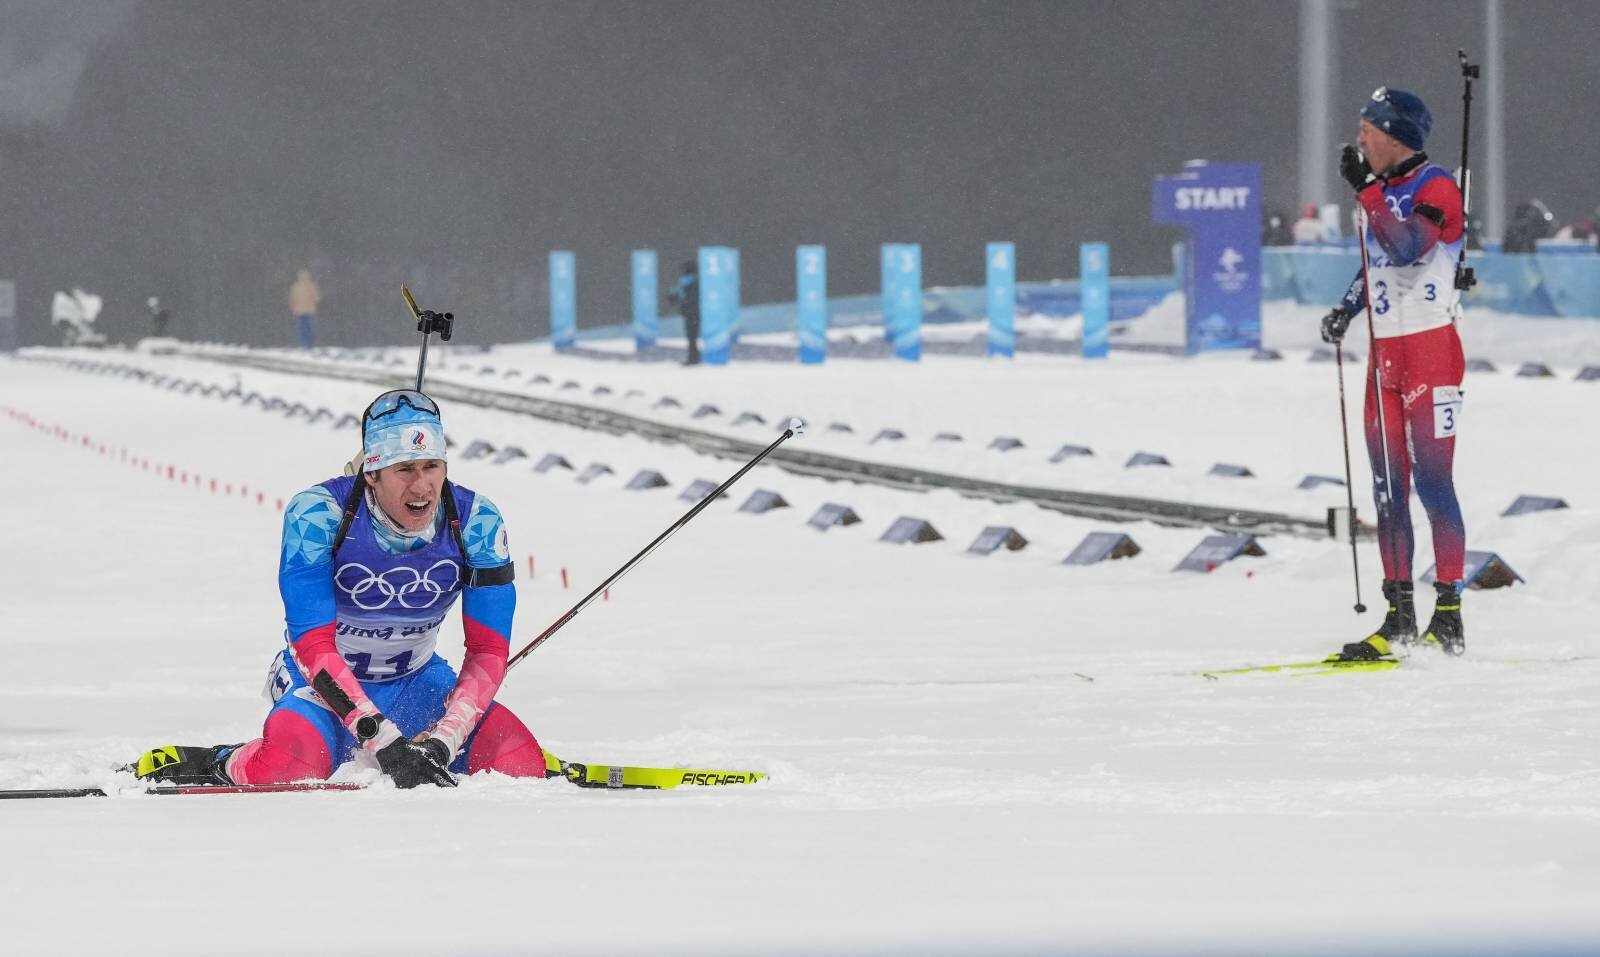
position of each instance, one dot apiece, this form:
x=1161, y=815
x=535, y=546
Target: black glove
x=411, y=763
x=1334, y=325
x=1353, y=167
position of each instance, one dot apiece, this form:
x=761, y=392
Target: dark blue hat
x=1400, y=114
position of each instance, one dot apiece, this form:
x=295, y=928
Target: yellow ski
x=1302, y=668
x=624, y=776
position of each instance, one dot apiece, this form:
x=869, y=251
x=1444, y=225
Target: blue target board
x=1094, y=271
x=563, y=299
x=811, y=302
x=903, y=298
x=719, y=303
x=646, y=320
x=1001, y=298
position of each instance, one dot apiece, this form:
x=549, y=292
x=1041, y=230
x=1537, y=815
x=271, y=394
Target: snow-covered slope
x=967, y=754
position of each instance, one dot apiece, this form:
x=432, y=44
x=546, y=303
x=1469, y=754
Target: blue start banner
x=646, y=320
x=811, y=302
x=718, y=304
x=1221, y=205
x=904, y=294
x=563, y=299
x=1094, y=272
x=1001, y=297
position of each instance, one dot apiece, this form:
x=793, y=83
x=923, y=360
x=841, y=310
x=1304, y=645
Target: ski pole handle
x=428, y=322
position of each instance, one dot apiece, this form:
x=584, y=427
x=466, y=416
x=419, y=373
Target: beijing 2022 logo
x=407, y=587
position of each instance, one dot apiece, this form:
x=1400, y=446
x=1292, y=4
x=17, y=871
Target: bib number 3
x=1446, y=410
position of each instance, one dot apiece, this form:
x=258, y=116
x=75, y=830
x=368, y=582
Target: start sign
x=1220, y=203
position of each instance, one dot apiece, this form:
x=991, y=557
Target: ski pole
x=1465, y=279
x=428, y=322
x=793, y=428
x=1349, y=484
x=1388, y=503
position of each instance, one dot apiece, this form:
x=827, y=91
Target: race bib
x=278, y=680
x=1446, y=410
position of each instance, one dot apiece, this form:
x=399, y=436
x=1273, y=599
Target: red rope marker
x=530, y=566
x=563, y=576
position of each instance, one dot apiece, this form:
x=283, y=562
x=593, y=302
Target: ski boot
x=1445, y=631
x=1399, y=628
x=180, y=764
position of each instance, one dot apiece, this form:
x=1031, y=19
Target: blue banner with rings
x=1001, y=298
x=811, y=302
x=1094, y=271
x=646, y=318
x=563, y=299
x=718, y=304
x=905, y=300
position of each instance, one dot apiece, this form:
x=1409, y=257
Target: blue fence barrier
x=1558, y=280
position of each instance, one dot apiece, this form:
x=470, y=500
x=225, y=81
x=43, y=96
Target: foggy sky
x=204, y=151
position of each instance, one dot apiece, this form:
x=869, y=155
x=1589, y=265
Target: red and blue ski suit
x=369, y=617
x=1413, y=238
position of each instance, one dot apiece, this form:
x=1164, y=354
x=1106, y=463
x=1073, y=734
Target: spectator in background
x=1309, y=228
x=160, y=317
x=1530, y=222
x=686, y=296
x=1275, y=229
x=304, y=297
x=1582, y=231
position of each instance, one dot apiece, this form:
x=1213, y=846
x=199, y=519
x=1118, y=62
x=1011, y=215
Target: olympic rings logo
x=407, y=586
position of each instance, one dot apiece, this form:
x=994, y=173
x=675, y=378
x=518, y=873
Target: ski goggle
x=391, y=402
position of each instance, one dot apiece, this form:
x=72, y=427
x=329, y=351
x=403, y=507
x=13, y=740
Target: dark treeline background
x=204, y=151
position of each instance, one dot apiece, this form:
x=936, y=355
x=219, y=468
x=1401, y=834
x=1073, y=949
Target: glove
x=1334, y=325
x=1353, y=167
x=413, y=763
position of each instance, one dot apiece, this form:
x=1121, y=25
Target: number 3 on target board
x=1446, y=410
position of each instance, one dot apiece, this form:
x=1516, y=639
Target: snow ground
x=945, y=777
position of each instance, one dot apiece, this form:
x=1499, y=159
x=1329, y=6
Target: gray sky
x=204, y=151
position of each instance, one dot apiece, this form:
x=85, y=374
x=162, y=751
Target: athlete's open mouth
x=417, y=508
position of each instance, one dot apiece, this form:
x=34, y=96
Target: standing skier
x=1412, y=240
x=370, y=566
